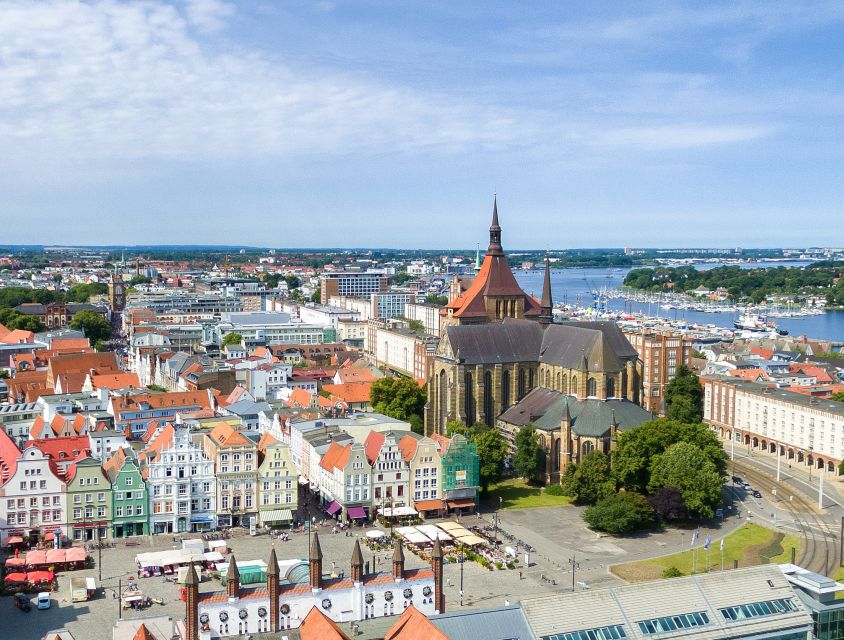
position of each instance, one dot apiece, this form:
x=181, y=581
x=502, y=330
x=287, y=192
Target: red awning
x=333, y=508
x=429, y=505
x=15, y=540
x=356, y=513
x=49, y=537
x=461, y=503
x=39, y=576
x=16, y=577
x=15, y=562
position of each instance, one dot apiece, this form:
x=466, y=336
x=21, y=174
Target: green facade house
x=460, y=476
x=88, y=500
x=130, y=501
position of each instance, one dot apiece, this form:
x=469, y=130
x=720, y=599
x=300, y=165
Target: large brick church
x=499, y=343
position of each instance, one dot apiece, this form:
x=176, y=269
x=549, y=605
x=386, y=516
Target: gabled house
x=129, y=497
x=89, y=500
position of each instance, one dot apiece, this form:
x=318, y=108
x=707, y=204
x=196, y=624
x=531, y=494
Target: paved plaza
x=557, y=534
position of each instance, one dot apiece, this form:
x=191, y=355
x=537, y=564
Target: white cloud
x=208, y=15
x=681, y=136
x=108, y=80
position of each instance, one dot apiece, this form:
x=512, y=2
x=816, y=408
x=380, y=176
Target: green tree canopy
x=637, y=447
x=620, y=513
x=456, y=426
x=84, y=292
x=685, y=467
x=92, y=324
x=492, y=450
x=231, y=338
x=292, y=282
x=433, y=298
x=589, y=480
x=838, y=397
x=530, y=456
x=398, y=398
x=684, y=396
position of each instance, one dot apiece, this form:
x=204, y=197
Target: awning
x=356, y=513
x=461, y=503
x=276, y=515
x=202, y=519
x=213, y=556
x=15, y=540
x=333, y=508
x=398, y=512
x=429, y=505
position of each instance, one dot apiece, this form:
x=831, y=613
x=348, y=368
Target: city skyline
x=364, y=124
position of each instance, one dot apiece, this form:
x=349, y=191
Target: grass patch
x=515, y=493
x=750, y=545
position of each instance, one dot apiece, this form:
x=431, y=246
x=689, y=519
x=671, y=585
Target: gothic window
x=469, y=403
x=587, y=447
x=443, y=399
x=505, y=391
x=611, y=387
x=555, y=454
x=559, y=381
x=574, y=390
x=530, y=379
x=591, y=387
x=521, y=383
x=564, y=388
x=488, y=399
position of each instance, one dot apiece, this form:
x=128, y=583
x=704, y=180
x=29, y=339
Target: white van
x=43, y=601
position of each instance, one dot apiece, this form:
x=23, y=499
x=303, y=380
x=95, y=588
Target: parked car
x=43, y=601
x=22, y=602
x=756, y=493
x=737, y=480
x=747, y=486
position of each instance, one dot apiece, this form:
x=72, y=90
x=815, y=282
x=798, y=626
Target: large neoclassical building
x=498, y=343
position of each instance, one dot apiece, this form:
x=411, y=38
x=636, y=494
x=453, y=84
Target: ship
x=758, y=324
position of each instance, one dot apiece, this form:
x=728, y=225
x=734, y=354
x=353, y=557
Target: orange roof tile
x=336, y=457
x=225, y=435
x=18, y=336
x=414, y=625
x=318, y=626
x=300, y=398
x=115, y=381
x=356, y=375
x=407, y=446
x=9, y=455
x=143, y=634
x=350, y=393
x=372, y=445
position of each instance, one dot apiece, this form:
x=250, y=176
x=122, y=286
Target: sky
x=375, y=123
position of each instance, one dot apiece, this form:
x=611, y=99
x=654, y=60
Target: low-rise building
x=89, y=500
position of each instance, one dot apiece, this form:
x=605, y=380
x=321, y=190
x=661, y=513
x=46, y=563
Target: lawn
x=750, y=545
x=515, y=493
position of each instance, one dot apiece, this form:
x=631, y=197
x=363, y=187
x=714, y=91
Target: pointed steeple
x=398, y=560
x=566, y=418
x=316, y=550
x=191, y=579
x=272, y=564
x=437, y=552
x=357, y=563
x=547, y=303
x=495, y=232
x=233, y=579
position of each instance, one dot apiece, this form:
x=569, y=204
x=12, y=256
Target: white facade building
x=182, y=486
x=33, y=499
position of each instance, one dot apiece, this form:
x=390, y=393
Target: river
x=574, y=286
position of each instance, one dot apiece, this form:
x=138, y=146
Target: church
x=498, y=344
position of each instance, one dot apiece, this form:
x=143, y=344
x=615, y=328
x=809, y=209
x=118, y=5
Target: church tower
x=494, y=294
x=116, y=293
x=547, y=303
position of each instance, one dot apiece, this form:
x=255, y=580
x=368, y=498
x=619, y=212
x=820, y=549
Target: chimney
x=273, y=589
x=357, y=564
x=315, y=562
x=192, y=604
x=233, y=580
x=398, y=560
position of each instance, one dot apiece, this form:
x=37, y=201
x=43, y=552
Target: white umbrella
x=375, y=534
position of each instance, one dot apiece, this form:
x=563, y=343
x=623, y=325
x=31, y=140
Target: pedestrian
x=520, y=574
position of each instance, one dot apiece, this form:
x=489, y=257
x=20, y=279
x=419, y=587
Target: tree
x=667, y=503
x=292, y=282
x=316, y=296
x=398, y=398
x=529, y=457
x=589, y=480
x=415, y=325
x=139, y=280
x=231, y=338
x=685, y=467
x=271, y=280
x=492, y=450
x=92, y=324
x=456, y=426
x=684, y=396
x=439, y=301
x=636, y=448
x=620, y=513
x=838, y=397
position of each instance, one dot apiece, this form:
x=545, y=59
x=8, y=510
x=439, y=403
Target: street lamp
x=574, y=564
x=495, y=517
x=462, y=562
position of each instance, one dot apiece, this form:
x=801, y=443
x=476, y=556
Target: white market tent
x=213, y=556
x=433, y=532
x=412, y=535
x=387, y=512
x=168, y=558
x=449, y=525
x=375, y=534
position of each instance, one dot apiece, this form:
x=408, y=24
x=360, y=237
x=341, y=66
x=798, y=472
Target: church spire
x=547, y=303
x=495, y=231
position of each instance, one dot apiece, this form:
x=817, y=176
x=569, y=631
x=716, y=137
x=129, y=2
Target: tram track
x=819, y=543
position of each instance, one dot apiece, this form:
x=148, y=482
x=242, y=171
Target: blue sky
x=382, y=123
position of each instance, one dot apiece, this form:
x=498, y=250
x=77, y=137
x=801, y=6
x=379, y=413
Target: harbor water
x=575, y=287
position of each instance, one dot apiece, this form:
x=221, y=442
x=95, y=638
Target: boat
x=758, y=324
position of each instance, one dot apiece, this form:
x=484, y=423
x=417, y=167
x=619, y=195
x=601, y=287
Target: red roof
x=372, y=445
x=336, y=457
x=407, y=446
x=350, y=393
x=414, y=625
x=318, y=626
x=9, y=455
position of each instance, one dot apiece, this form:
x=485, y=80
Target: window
x=118, y=512
x=77, y=499
x=77, y=513
x=672, y=623
x=139, y=510
x=100, y=496
x=128, y=482
x=101, y=512
x=758, y=609
x=612, y=632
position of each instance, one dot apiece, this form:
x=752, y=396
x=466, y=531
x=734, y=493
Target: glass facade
x=829, y=625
